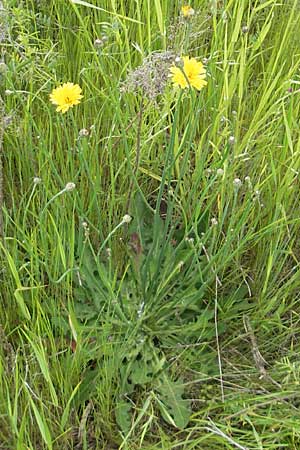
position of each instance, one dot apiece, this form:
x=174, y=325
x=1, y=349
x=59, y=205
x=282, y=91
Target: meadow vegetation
x=150, y=234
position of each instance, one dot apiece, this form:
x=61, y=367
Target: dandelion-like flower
x=187, y=11
x=66, y=96
x=190, y=73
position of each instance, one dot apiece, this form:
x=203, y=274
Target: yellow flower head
x=66, y=96
x=190, y=73
x=187, y=11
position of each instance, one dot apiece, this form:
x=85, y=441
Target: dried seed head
x=214, y=222
x=151, y=76
x=3, y=22
x=7, y=120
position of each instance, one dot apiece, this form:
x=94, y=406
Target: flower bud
x=37, y=180
x=98, y=43
x=84, y=132
x=237, y=183
x=3, y=68
x=127, y=218
x=70, y=186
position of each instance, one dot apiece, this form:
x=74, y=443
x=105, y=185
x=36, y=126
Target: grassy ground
x=180, y=329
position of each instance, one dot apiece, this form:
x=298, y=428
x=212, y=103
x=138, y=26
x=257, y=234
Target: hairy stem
x=2, y=124
x=137, y=156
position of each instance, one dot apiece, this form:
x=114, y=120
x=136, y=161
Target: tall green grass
x=179, y=329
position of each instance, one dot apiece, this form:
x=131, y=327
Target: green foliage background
x=179, y=329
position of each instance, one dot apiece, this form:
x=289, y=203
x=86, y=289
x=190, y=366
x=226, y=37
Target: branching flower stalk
x=2, y=125
x=150, y=80
x=137, y=156
x=2, y=122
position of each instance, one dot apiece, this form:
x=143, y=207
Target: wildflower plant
x=189, y=73
x=66, y=96
x=140, y=279
x=187, y=11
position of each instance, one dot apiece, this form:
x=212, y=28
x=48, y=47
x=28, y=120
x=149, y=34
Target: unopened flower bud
x=84, y=132
x=180, y=265
x=237, y=183
x=98, y=43
x=70, y=186
x=127, y=218
x=37, y=180
x=178, y=61
x=3, y=68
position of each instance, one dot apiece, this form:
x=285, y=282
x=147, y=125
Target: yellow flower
x=191, y=73
x=66, y=96
x=187, y=11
